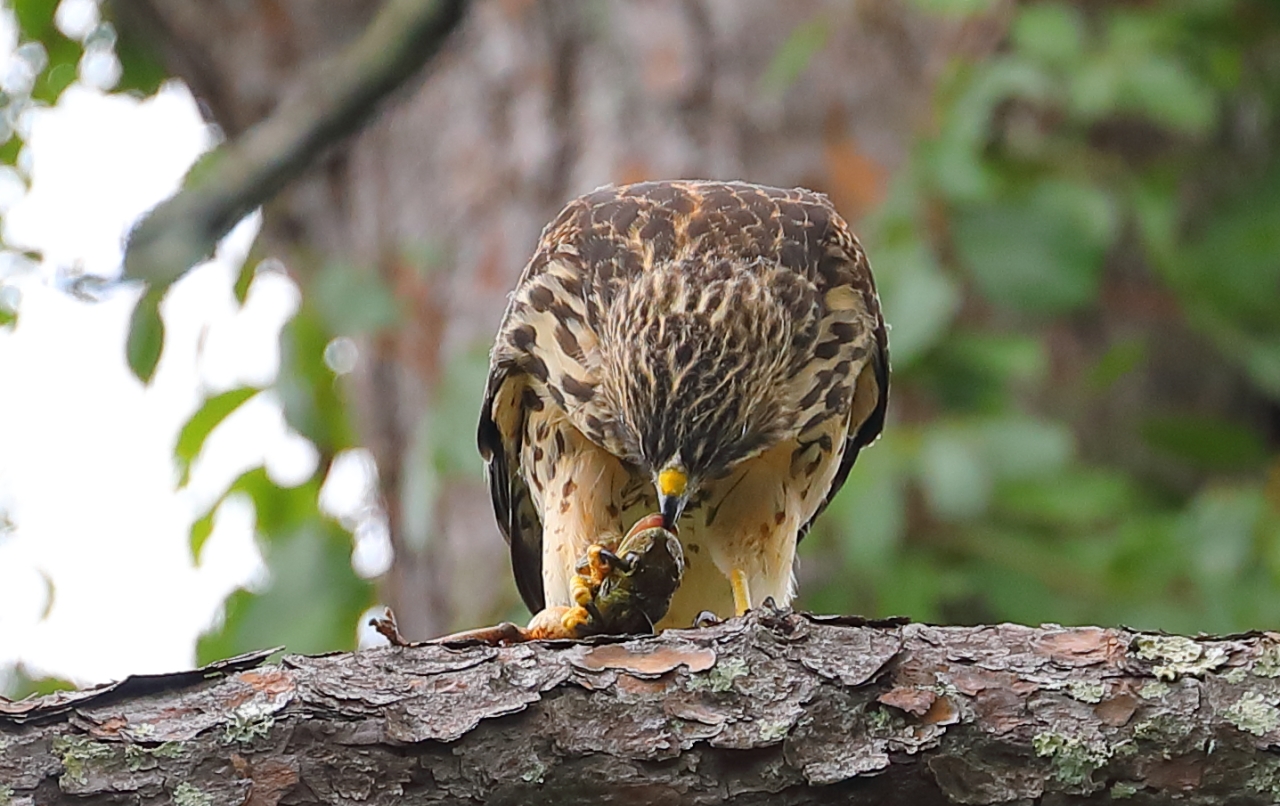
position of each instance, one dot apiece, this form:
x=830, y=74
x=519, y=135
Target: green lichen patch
x=1268, y=662
x=1122, y=790
x=1264, y=778
x=79, y=755
x=1086, y=691
x=884, y=722
x=253, y=720
x=139, y=757
x=187, y=795
x=6, y=795
x=167, y=750
x=771, y=732
x=1154, y=690
x=1235, y=675
x=1156, y=729
x=719, y=678
x=1125, y=748
x=1178, y=656
x=1252, y=713
x=1073, y=760
x=136, y=758
x=535, y=773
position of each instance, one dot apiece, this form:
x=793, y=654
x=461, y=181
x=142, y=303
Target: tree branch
x=771, y=708
x=333, y=102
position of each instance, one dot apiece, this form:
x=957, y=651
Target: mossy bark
x=777, y=708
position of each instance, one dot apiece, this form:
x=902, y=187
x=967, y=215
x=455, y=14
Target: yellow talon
x=741, y=591
x=574, y=619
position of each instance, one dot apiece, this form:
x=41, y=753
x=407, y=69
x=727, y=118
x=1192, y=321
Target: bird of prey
x=713, y=351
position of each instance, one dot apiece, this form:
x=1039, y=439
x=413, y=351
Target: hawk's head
x=698, y=354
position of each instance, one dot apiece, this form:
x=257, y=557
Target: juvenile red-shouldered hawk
x=713, y=351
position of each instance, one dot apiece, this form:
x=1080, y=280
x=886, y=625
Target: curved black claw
x=706, y=619
x=772, y=608
x=771, y=615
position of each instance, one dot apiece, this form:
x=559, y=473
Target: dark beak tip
x=670, y=512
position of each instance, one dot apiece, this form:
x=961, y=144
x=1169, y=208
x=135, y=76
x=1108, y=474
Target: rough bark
x=776, y=708
x=531, y=104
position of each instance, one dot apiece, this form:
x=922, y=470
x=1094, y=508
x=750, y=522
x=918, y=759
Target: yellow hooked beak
x=673, y=486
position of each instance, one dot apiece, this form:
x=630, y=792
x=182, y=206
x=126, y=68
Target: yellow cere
x=672, y=482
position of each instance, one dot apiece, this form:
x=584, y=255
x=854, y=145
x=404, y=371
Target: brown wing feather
x=499, y=437
x=862, y=430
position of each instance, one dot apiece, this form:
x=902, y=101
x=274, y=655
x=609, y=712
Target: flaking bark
x=784, y=708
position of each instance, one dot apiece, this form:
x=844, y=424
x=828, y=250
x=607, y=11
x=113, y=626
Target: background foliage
x=1113, y=159
x=1081, y=267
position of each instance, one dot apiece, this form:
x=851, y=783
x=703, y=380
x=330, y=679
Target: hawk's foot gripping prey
x=712, y=351
x=628, y=590
x=623, y=590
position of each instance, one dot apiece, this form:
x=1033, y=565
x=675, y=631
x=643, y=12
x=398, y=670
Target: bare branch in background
x=333, y=102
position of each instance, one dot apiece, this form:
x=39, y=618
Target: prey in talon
x=627, y=590
x=622, y=590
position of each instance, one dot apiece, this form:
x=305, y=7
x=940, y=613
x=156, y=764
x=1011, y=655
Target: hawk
x=713, y=351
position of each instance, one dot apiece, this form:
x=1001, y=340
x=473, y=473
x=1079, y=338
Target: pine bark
x=777, y=708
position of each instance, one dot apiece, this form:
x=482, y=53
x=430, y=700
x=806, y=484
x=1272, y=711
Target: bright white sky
x=96, y=577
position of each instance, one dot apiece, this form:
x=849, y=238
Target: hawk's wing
x=850, y=278
x=500, y=437
x=870, y=400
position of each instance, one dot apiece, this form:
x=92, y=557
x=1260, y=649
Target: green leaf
x=1232, y=264
x=244, y=279
x=954, y=473
x=146, y=336
x=1094, y=88
x=141, y=70
x=1021, y=447
x=451, y=430
x=1077, y=499
x=352, y=301
x=35, y=24
x=956, y=159
x=35, y=18
x=1051, y=33
x=1205, y=442
x=1039, y=252
x=196, y=430
x=956, y=8
x=280, y=510
x=10, y=299
x=311, y=604
x=1165, y=91
x=1120, y=359
x=976, y=372
x=20, y=685
x=920, y=301
x=200, y=531
x=314, y=403
x=795, y=53
x=869, y=516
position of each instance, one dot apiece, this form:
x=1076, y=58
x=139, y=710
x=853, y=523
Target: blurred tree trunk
x=532, y=104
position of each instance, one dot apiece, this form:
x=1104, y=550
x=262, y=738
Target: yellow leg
x=741, y=591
